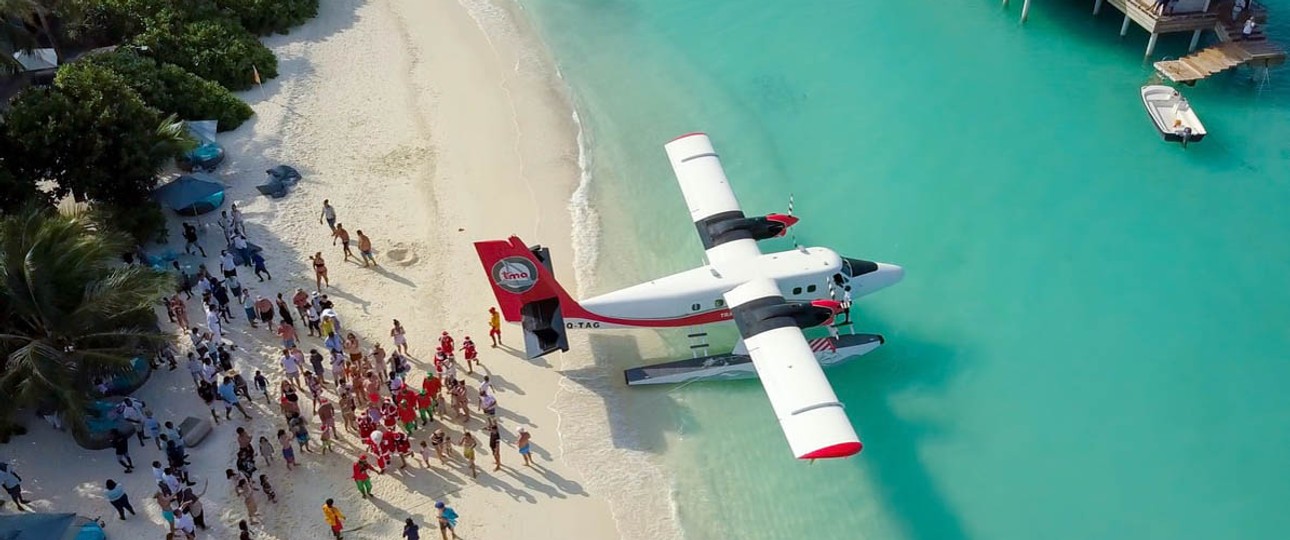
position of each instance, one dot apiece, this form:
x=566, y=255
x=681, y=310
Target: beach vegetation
x=264, y=17
x=69, y=311
x=217, y=49
x=111, y=22
x=30, y=23
x=88, y=136
x=173, y=90
x=17, y=192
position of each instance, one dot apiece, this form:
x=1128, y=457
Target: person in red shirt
x=468, y=351
x=361, y=479
x=389, y=415
x=446, y=343
x=431, y=384
x=425, y=404
x=387, y=449
x=403, y=446
x=408, y=416
x=440, y=360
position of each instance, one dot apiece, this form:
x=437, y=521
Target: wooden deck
x=1234, y=50
x=1141, y=12
x=1219, y=58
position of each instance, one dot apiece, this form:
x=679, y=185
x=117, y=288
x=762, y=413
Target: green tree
x=39, y=14
x=91, y=135
x=217, y=49
x=266, y=17
x=172, y=90
x=69, y=311
x=16, y=192
x=14, y=37
x=109, y=22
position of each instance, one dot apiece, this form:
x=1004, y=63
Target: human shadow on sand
x=488, y=479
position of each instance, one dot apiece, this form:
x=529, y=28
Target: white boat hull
x=1172, y=114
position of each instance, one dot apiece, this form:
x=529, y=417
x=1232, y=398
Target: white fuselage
x=695, y=296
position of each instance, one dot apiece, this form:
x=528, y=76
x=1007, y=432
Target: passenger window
x=797, y=291
x=810, y=288
x=719, y=303
x=695, y=307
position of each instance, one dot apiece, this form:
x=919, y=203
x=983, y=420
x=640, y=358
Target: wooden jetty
x=1234, y=48
x=1197, y=16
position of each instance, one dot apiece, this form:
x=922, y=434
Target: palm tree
x=41, y=14
x=69, y=311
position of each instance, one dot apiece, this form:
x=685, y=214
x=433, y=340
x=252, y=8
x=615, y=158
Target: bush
x=143, y=222
x=90, y=134
x=170, y=89
x=216, y=49
x=266, y=17
x=109, y=22
x=17, y=192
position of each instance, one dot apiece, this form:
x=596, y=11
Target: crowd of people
x=388, y=407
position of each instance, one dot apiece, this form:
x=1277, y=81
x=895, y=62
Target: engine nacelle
x=759, y=228
x=775, y=313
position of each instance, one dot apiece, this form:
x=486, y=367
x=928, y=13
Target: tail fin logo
x=515, y=275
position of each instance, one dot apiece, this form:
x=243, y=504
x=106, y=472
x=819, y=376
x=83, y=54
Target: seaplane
x=771, y=298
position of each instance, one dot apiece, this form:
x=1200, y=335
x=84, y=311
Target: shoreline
x=412, y=130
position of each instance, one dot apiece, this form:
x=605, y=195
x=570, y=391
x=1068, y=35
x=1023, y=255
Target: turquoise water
x=1091, y=338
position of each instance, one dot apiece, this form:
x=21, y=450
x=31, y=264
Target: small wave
x=586, y=222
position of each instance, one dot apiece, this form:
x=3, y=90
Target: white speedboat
x=1172, y=114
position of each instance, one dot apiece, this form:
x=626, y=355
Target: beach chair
x=275, y=189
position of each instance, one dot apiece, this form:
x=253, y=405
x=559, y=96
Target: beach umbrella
x=191, y=194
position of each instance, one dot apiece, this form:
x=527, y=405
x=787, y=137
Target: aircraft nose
x=889, y=274
x=877, y=277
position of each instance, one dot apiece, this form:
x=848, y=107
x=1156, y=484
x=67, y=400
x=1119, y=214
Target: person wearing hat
x=470, y=353
x=446, y=343
x=425, y=407
x=494, y=326
x=361, y=478
x=447, y=519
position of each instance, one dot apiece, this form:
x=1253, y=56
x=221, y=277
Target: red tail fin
x=517, y=276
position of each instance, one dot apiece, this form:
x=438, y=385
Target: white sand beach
x=427, y=134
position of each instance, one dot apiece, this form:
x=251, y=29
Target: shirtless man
x=365, y=248
x=339, y=233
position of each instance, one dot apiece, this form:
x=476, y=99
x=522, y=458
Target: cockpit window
x=857, y=267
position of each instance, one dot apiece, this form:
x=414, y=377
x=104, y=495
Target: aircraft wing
x=713, y=206
x=808, y=411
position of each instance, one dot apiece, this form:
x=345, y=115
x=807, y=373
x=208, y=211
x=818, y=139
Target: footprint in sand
x=402, y=255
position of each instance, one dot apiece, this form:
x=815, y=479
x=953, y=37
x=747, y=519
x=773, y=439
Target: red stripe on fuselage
x=573, y=310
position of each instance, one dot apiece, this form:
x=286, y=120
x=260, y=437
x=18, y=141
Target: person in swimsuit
x=339, y=233
x=524, y=444
x=365, y=249
x=468, y=444
x=495, y=444
x=288, y=453
x=320, y=270
x=244, y=490
x=400, y=337
x=437, y=441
